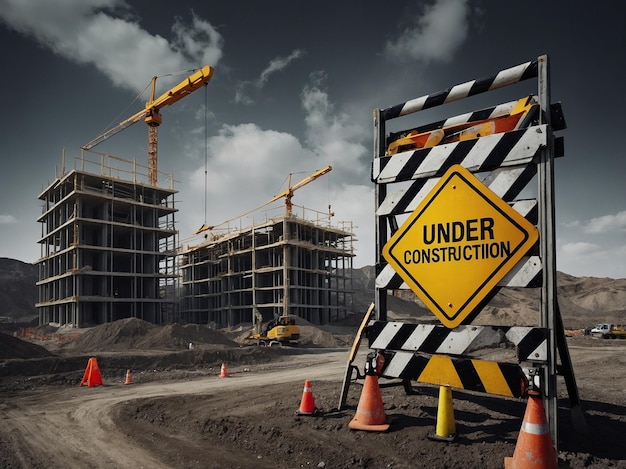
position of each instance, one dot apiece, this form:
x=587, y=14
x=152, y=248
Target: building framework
x=108, y=245
x=285, y=265
x=110, y=250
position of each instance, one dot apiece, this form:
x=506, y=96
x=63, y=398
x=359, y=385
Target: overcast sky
x=294, y=88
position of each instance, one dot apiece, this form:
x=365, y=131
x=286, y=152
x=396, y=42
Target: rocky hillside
x=584, y=301
x=18, y=292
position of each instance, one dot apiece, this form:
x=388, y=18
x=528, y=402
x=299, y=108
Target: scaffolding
x=108, y=245
x=285, y=265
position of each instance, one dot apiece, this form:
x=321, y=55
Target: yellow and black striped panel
x=502, y=379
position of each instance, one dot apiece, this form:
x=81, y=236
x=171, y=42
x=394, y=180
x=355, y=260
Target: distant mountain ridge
x=583, y=301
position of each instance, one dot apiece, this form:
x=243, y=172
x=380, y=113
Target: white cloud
x=7, y=219
x=594, y=247
x=249, y=165
x=103, y=34
x=331, y=134
x=437, y=33
x=580, y=249
x=275, y=65
x=592, y=260
x=278, y=64
x=606, y=223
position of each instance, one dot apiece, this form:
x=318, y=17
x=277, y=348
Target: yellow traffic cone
x=446, y=427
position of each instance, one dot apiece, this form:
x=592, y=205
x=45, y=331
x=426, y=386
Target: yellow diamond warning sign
x=457, y=245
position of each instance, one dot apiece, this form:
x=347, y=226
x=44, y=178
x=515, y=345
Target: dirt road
x=248, y=421
x=74, y=428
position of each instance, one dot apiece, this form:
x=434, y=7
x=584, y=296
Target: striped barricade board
x=435, y=354
x=483, y=154
x=502, y=379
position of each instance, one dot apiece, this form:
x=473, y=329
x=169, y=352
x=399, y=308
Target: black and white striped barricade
x=437, y=355
x=503, y=78
x=508, y=161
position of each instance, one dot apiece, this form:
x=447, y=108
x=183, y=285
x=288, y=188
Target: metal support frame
x=380, y=300
x=550, y=313
x=547, y=241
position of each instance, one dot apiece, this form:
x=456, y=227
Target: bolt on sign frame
x=510, y=159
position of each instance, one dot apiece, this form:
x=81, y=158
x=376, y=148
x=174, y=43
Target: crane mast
x=151, y=116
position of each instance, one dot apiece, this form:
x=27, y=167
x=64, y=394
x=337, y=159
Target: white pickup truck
x=609, y=331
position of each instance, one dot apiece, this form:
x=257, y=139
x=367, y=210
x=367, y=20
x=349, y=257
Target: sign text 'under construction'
x=458, y=244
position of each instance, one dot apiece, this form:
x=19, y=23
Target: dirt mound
x=180, y=336
x=136, y=334
x=13, y=347
x=313, y=336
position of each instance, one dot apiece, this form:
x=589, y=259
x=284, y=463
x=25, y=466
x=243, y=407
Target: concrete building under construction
x=108, y=246
x=284, y=265
x=110, y=250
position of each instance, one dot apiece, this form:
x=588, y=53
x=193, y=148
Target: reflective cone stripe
x=535, y=428
x=307, y=403
x=370, y=413
x=534, y=448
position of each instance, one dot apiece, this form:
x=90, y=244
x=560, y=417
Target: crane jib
x=185, y=87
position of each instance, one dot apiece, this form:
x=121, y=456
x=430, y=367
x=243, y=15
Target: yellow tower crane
x=151, y=116
x=287, y=194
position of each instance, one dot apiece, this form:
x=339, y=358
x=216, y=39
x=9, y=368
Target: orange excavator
x=522, y=114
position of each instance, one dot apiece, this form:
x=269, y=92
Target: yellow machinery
x=280, y=331
x=151, y=115
x=288, y=193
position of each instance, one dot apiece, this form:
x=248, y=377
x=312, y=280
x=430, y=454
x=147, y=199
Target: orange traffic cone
x=92, y=376
x=370, y=413
x=307, y=403
x=128, y=379
x=534, y=448
x=224, y=371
